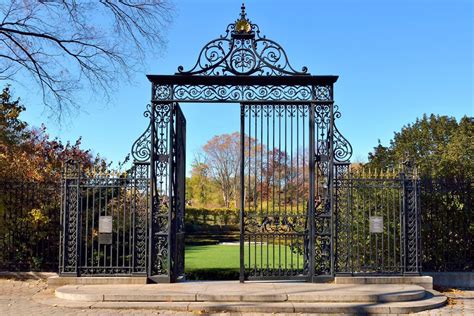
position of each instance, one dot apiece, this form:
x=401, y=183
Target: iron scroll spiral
x=141, y=148
x=242, y=52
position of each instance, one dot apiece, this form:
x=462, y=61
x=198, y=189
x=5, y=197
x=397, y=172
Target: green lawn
x=222, y=261
x=212, y=257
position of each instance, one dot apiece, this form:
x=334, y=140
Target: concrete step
x=236, y=292
x=424, y=281
x=431, y=300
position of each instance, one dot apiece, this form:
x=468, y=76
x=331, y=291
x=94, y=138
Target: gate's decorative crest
x=242, y=51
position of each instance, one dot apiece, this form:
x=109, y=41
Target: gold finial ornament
x=242, y=25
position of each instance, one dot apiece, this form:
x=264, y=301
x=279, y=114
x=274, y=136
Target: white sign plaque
x=376, y=224
x=105, y=224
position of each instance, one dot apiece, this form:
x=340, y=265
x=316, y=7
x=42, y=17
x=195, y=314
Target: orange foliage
x=29, y=153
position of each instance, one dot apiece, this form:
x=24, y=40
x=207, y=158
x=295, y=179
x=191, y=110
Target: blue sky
x=395, y=59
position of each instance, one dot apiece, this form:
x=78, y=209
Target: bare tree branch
x=68, y=45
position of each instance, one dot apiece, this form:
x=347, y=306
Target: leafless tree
x=68, y=45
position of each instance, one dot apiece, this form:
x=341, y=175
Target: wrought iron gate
x=105, y=222
x=297, y=204
x=165, y=145
x=275, y=165
x=377, y=221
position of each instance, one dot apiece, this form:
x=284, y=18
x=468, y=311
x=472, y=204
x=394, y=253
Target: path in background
x=16, y=298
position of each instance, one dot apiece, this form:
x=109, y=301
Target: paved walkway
x=16, y=298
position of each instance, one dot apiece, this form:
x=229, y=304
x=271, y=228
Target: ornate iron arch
x=142, y=211
x=241, y=66
x=242, y=50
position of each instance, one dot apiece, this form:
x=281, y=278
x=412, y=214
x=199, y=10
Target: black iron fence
x=30, y=223
x=447, y=224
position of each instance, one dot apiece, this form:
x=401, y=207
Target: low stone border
x=460, y=280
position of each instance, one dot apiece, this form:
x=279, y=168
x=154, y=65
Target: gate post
x=166, y=143
x=159, y=221
x=411, y=220
x=70, y=221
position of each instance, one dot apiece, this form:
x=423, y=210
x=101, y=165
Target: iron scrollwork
x=412, y=218
x=233, y=93
x=161, y=202
x=342, y=149
x=140, y=176
x=242, y=51
x=71, y=229
x=141, y=148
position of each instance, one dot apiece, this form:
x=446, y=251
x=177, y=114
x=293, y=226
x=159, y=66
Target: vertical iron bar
x=86, y=229
x=311, y=210
x=402, y=221
x=62, y=219
x=242, y=190
x=331, y=181
x=79, y=221
x=262, y=112
x=171, y=202
x=124, y=220
x=152, y=186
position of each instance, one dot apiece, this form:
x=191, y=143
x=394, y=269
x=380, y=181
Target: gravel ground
x=23, y=297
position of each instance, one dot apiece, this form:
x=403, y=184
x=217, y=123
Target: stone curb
x=433, y=300
x=255, y=307
x=149, y=293
x=423, y=280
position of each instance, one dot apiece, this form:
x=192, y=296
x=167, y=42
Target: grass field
x=212, y=257
x=222, y=261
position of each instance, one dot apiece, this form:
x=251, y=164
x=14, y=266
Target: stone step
x=424, y=281
x=236, y=292
x=431, y=300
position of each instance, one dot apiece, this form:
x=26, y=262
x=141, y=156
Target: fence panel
x=29, y=225
x=447, y=224
x=377, y=221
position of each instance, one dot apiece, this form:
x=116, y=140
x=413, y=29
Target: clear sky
x=395, y=59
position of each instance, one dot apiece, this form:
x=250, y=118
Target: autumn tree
x=64, y=46
x=223, y=159
x=199, y=186
x=28, y=153
x=272, y=176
